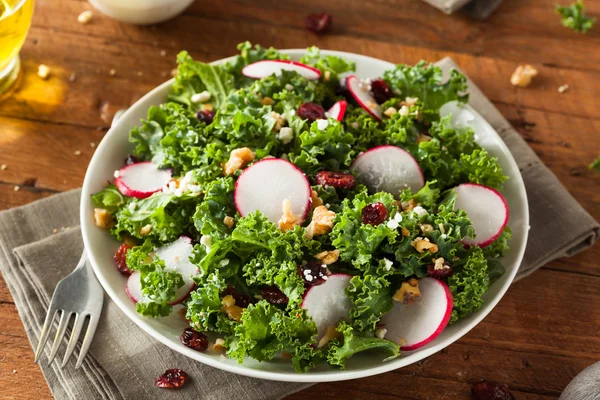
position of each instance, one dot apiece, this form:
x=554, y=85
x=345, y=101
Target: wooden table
x=543, y=332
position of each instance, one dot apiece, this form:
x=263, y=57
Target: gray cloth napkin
x=479, y=9
x=123, y=361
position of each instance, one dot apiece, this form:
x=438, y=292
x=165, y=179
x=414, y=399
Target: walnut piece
x=423, y=138
x=408, y=292
x=426, y=228
x=288, y=220
x=315, y=199
x=238, y=159
x=103, y=218
x=408, y=205
x=218, y=346
x=267, y=101
x=322, y=222
x=279, y=121
x=145, y=230
x=328, y=257
x=234, y=312
x=523, y=75
x=422, y=244
x=405, y=232
x=330, y=334
x=229, y=221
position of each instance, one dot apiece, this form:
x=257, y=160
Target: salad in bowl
x=291, y=210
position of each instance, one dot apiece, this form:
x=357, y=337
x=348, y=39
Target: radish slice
x=266, y=184
x=327, y=304
x=388, y=168
x=363, y=97
x=423, y=320
x=337, y=110
x=487, y=209
x=265, y=68
x=141, y=179
x=176, y=256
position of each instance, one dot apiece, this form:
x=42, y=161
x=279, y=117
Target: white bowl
x=141, y=12
x=100, y=247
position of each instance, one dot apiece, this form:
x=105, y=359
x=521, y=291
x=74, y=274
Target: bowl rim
x=316, y=376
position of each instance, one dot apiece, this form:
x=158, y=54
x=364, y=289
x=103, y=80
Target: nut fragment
x=322, y=222
x=229, y=221
x=422, y=244
x=43, y=71
x=218, y=346
x=330, y=334
x=408, y=292
x=145, y=230
x=85, y=17
x=328, y=257
x=523, y=75
x=409, y=205
x=279, y=122
x=563, y=88
x=405, y=232
x=390, y=111
x=267, y=101
x=103, y=218
x=314, y=198
x=288, y=220
x=238, y=159
x=426, y=228
x=380, y=333
x=234, y=312
x=423, y=138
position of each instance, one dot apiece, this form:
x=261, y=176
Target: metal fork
x=78, y=294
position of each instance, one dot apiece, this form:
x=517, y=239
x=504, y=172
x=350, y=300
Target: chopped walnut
x=390, y=111
x=380, y=333
x=234, y=312
x=279, y=121
x=322, y=222
x=409, y=205
x=408, y=292
x=103, y=218
x=229, y=221
x=145, y=230
x=330, y=334
x=439, y=263
x=426, y=228
x=422, y=244
x=409, y=101
x=328, y=257
x=327, y=76
x=423, y=138
x=405, y=232
x=315, y=199
x=238, y=159
x=206, y=107
x=267, y=101
x=218, y=346
x=523, y=75
x=288, y=220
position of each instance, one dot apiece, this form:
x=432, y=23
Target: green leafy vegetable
x=595, y=164
x=574, y=17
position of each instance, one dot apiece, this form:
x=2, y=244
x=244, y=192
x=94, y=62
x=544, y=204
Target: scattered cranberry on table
x=172, y=379
x=318, y=22
x=491, y=391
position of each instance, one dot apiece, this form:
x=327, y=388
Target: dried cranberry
x=314, y=273
x=491, y=391
x=440, y=273
x=374, y=214
x=205, y=116
x=131, y=159
x=381, y=91
x=241, y=300
x=120, y=258
x=311, y=111
x=335, y=179
x=273, y=295
x=318, y=23
x=194, y=340
x=172, y=379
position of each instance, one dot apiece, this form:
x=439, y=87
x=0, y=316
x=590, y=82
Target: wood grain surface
x=542, y=333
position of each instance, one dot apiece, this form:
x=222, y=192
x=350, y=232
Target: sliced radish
x=363, y=97
x=422, y=321
x=388, y=168
x=487, y=209
x=327, y=304
x=265, y=68
x=141, y=179
x=176, y=256
x=337, y=110
x=266, y=184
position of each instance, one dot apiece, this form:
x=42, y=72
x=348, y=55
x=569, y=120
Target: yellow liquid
x=15, y=18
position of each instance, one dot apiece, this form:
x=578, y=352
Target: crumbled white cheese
x=355, y=125
x=322, y=124
x=206, y=241
x=392, y=224
x=224, y=262
x=201, y=97
x=132, y=206
x=403, y=111
x=380, y=333
x=289, y=87
x=286, y=134
x=388, y=264
x=420, y=211
x=43, y=71
x=116, y=174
